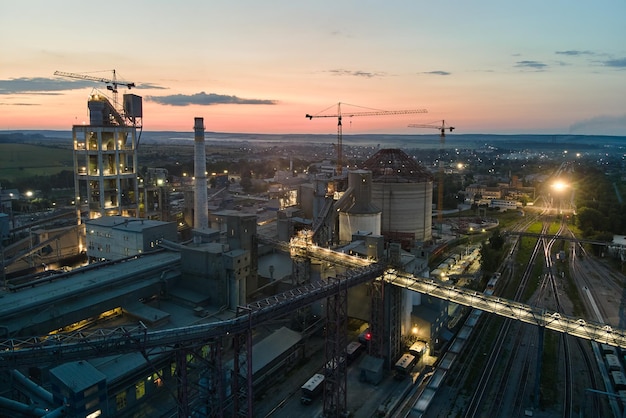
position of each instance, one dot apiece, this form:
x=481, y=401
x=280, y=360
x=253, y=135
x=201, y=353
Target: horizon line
x=334, y=134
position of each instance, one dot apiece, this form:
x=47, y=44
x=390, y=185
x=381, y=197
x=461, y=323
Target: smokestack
x=201, y=205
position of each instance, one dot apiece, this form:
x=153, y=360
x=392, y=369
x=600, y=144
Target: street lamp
x=559, y=187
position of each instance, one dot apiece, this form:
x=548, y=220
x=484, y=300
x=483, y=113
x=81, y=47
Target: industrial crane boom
x=339, y=116
x=111, y=83
x=442, y=128
x=442, y=140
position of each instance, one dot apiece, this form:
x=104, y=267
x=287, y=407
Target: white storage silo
x=359, y=214
x=404, y=191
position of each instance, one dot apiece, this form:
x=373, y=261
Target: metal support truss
x=393, y=306
x=377, y=320
x=242, y=368
x=301, y=270
x=212, y=395
x=181, y=375
x=335, y=388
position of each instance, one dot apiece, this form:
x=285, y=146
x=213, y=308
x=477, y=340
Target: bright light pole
x=559, y=187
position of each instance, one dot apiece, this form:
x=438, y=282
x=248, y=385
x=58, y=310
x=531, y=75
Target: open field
x=25, y=160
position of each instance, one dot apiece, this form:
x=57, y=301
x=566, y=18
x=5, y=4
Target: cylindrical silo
x=404, y=192
x=359, y=214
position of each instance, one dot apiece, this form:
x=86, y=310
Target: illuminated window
x=140, y=390
x=120, y=401
x=92, y=403
x=90, y=391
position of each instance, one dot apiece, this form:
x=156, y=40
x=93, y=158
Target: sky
x=249, y=66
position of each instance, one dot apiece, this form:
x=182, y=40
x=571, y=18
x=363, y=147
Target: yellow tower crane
x=442, y=140
x=339, y=116
x=111, y=83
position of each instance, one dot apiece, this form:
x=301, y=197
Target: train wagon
x=331, y=366
x=404, y=365
x=353, y=350
x=493, y=281
x=619, y=381
x=612, y=362
x=312, y=388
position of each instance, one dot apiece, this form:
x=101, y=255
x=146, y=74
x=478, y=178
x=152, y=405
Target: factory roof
x=395, y=166
x=48, y=298
x=266, y=350
x=125, y=223
x=232, y=212
x=271, y=347
x=78, y=375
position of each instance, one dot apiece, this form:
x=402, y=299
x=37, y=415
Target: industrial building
x=105, y=158
x=117, y=237
x=148, y=279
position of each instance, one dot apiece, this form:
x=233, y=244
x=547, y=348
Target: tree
x=246, y=180
x=590, y=219
x=490, y=258
x=497, y=240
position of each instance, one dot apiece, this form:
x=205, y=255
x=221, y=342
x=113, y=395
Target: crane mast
x=339, y=117
x=442, y=140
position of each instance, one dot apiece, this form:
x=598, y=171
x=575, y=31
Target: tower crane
x=111, y=83
x=339, y=116
x=442, y=140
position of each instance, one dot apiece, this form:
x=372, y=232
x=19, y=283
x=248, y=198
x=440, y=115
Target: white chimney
x=201, y=204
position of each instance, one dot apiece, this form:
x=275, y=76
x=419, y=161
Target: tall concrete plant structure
x=404, y=191
x=201, y=205
x=105, y=158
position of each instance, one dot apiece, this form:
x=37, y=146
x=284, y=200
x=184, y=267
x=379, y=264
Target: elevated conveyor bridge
x=555, y=321
x=65, y=347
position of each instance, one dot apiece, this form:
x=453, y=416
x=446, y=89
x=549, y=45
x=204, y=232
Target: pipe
x=33, y=387
x=11, y=405
x=61, y=411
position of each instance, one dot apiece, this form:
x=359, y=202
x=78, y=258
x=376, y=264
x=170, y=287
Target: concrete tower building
x=105, y=158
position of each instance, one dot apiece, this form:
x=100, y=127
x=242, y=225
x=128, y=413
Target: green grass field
x=25, y=160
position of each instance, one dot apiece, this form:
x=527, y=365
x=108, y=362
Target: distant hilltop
x=425, y=141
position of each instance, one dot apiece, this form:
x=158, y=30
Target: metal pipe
x=15, y=406
x=33, y=387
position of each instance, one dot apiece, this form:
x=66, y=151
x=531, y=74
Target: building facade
x=117, y=237
x=105, y=158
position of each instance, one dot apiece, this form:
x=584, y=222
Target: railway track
x=590, y=275
x=508, y=385
x=485, y=402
